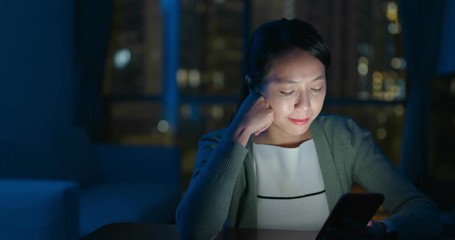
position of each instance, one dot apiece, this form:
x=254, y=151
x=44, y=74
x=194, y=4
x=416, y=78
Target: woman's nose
x=303, y=101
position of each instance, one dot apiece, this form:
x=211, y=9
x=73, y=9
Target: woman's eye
x=316, y=89
x=287, y=93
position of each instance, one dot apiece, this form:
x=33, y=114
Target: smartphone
x=360, y=207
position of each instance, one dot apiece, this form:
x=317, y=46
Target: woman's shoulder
x=336, y=125
x=333, y=120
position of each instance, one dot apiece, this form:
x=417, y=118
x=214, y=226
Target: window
x=366, y=78
x=134, y=75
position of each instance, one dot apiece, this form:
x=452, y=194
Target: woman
x=281, y=165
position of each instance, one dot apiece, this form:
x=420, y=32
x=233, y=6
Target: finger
x=370, y=223
x=262, y=129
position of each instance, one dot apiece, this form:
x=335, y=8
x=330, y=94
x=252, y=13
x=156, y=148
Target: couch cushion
x=127, y=202
x=39, y=209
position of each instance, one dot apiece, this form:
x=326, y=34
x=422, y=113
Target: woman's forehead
x=278, y=80
x=292, y=68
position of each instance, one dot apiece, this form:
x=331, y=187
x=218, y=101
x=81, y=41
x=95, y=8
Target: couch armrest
x=39, y=209
x=130, y=163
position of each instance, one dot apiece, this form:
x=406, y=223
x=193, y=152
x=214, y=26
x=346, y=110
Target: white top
x=290, y=189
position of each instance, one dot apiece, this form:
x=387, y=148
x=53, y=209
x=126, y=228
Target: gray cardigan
x=222, y=191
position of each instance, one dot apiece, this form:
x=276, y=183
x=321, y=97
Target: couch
x=39, y=209
x=77, y=186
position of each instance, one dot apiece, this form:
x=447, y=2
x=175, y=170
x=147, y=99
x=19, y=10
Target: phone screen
x=360, y=207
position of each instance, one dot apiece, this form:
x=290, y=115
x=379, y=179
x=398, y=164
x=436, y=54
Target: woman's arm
x=413, y=215
x=205, y=205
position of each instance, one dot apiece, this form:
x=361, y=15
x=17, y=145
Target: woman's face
x=295, y=89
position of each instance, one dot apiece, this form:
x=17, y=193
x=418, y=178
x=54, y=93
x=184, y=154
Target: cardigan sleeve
x=412, y=214
x=205, y=205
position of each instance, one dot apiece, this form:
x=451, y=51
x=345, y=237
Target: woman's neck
x=279, y=138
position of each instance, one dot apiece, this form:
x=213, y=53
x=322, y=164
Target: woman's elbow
x=190, y=229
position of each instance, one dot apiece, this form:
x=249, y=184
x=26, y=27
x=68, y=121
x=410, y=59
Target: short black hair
x=274, y=39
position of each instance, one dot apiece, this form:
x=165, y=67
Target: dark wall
x=36, y=65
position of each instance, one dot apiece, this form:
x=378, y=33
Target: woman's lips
x=299, y=121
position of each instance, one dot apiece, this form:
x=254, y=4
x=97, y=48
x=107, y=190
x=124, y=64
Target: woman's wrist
x=379, y=227
x=388, y=225
x=241, y=136
x=387, y=228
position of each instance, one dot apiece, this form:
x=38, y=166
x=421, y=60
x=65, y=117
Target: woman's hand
x=353, y=230
x=253, y=117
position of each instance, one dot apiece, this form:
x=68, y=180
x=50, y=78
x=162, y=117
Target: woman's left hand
x=353, y=230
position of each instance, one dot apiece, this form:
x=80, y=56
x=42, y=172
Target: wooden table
x=142, y=231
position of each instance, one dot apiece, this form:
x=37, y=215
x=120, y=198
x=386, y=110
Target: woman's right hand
x=253, y=117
